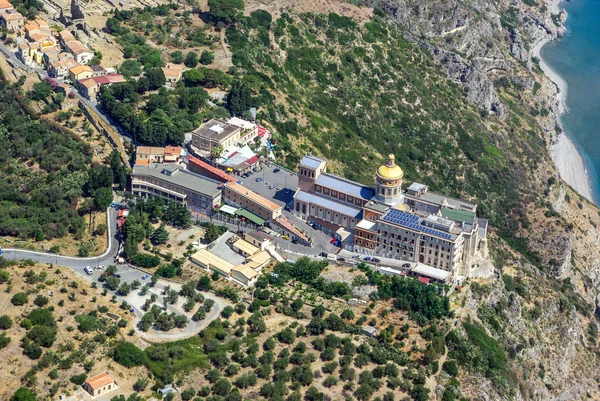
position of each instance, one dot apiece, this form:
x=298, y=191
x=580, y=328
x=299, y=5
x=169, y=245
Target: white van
x=88, y=270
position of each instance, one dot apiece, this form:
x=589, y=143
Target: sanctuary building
x=413, y=224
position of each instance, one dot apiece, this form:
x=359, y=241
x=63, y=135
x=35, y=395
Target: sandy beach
x=564, y=153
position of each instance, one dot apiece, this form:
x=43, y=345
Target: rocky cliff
x=541, y=306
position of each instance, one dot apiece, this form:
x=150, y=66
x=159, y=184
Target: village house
x=172, y=72
x=81, y=52
x=60, y=69
x=5, y=6
x=100, y=384
x=80, y=72
x=90, y=87
x=11, y=20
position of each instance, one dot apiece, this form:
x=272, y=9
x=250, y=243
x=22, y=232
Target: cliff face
x=477, y=41
x=546, y=322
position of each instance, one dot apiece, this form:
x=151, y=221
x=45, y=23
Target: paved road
x=126, y=274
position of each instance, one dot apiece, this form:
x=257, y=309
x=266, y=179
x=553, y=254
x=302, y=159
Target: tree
x=23, y=394
x=204, y=283
x=225, y=10
x=156, y=78
x=5, y=322
x=43, y=336
x=20, y=298
x=221, y=387
x=347, y=314
x=239, y=99
x=207, y=57
x=103, y=197
x=177, y=57
x=191, y=59
x=130, y=68
x=41, y=90
x=160, y=235
x=318, y=310
x=128, y=355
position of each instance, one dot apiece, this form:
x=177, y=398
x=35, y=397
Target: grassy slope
x=356, y=93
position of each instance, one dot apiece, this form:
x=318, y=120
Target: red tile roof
x=424, y=280
x=211, y=169
x=99, y=381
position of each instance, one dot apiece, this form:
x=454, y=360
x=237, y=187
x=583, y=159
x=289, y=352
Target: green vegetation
x=478, y=352
x=128, y=355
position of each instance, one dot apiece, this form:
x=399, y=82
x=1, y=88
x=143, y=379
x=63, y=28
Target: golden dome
x=390, y=170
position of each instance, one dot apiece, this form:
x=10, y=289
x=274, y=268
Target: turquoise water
x=576, y=58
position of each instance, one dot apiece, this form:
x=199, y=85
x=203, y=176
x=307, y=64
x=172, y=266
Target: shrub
x=40, y=300
x=5, y=322
x=4, y=340
x=23, y=394
x=78, y=379
x=19, y=299
x=42, y=335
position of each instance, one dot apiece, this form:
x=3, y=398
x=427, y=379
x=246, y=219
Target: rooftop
x=243, y=124
x=12, y=16
x=66, y=35
x=149, y=150
x=205, y=257
x=431, y=271
x=5, y=4
x=376, y=206
x=253, y=196
x=327, y=203
x=444, y=201
x=257, y=236
x=77, y=47
x=245, y=246
x=346, y=186
x=80, y=69
x=246, y=214
x=312, y=162
x=179, y=176
x=211, y=169
x=413, y=222
x=458, y=215
x=368, y=225
x=215, y=130
x=100, y=380
x=246, y=271
x=260, y=257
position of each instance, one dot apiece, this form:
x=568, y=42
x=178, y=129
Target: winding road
x=128, y=274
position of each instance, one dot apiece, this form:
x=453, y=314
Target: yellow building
x=245, y=275
x=80, y=72
x=209, y=261
x=259, y=260
x=244, y=247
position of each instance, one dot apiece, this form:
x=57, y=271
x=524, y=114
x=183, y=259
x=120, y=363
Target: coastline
x=566, y=156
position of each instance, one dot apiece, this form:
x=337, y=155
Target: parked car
x=88, y=269
x=276, y=170
x=294, y=241
x=145, y=276
x=375, y=260
x=406, y=265
x=367, y=258
x=356, y=257
x=245, y=175
x=259, y=179
x=286, y=237
x=341, y=259
x=272, y=186
x=323, y=254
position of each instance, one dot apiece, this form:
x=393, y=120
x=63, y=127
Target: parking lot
x=273, y=183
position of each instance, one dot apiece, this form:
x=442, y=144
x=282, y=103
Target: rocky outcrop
x=476, y=42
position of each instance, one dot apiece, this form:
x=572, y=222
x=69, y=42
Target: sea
x=576, y=58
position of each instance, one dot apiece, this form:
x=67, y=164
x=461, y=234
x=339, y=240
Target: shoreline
x=567, y=158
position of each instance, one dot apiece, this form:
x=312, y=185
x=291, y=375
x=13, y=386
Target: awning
x=250, y=216
x=228, y=209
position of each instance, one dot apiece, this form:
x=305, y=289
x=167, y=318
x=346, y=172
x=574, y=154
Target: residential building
x=238, y=160
x=249, y=130
x=259, y=260
x=144, y=155
x=258, y=239
x=5, y=6
x=65, y=36
x=209, y=261
x=369, y=331
x=100, y=384
x=60, y=69
x=215, y=133
x=244, y=275
x=81, y=52
x=11, y=20
x=30, y=53
x=234, y=131
x=90, y=87
x=237, y=195
x=173, y=72
x=80, y=72
x=174, y=183
x=39, y=31
x=174, y=154
x=98, y=71
x=244, y=247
